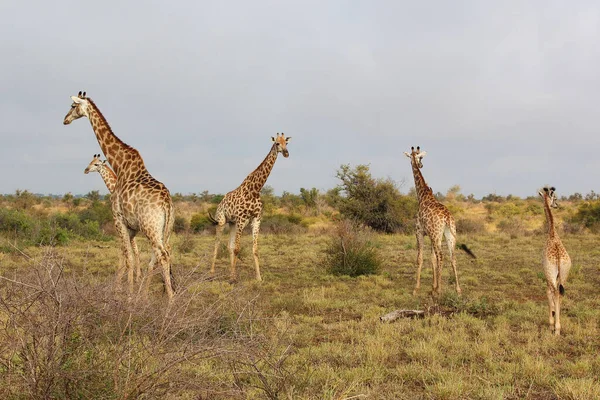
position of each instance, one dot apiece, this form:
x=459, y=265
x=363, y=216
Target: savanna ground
x=302, y=333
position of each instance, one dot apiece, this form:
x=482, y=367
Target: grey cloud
x=495, y=92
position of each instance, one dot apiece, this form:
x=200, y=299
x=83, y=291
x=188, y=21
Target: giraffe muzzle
x=285, y=153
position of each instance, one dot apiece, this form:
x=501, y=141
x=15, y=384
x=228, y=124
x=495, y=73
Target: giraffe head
x=416, y=156
x=549, y=195
x=79, y=108
x=96, y=165
x=281, y=143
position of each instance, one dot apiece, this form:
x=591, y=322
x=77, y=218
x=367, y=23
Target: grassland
x=302, y=333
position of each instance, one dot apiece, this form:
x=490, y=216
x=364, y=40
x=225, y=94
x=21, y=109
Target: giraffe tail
x=464, y=248
x=212, y=219
x=561, y=288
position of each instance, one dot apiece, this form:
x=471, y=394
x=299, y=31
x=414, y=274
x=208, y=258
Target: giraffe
x=110, y=179
x=555, y=261
x=243, y=205
x=433, y=220
x=139, y=202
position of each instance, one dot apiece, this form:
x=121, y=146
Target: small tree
x=24, y=199
x=269, y=200
x=93, y=196
x=376, y=203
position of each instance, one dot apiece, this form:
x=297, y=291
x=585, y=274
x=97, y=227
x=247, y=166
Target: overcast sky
x=502, y=95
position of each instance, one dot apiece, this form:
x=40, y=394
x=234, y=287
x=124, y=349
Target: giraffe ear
x=272, y=139
x=422, y=154
x=407, y=154
x=76, y=99
x=287, y=139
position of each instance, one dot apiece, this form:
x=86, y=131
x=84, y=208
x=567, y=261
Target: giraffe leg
x=556, y=311
x=164, y=259
x=434, y=270
x=420, y=238
x=136, y=258
x=149, y=274
x=125, y=235
x=451, y=242
x=550, y=294
x=255, y=229
x=234, y=246
x=219, y=233
x=439, y=258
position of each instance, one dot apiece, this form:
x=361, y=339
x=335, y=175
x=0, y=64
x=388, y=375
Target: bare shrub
x=67, y=336
x=352, y=251
x=282, y=224
x=469, y=225
x=572, y=227
x=186, y=244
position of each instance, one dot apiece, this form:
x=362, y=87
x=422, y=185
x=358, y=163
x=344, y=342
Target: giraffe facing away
x=110, y=179
x=139, y=202
x=555, y=261
x=433, y=220
x=244, y=205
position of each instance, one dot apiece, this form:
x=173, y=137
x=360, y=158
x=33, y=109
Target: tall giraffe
x=243, y=205
x=141, y=203
x=555, y=261
x=433, y=220
x=110, y=179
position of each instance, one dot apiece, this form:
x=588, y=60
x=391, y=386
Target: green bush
x=99, y=211
x=352, y=251
x=513, y=226
x=15, y=222
x=200, y=222
x=588, y=214
x=56, y=229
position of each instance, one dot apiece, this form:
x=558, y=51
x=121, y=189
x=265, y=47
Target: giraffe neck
x=550, y=219
x=123, y=158
x=109, y=177
x=257, y=179
x=423, y=191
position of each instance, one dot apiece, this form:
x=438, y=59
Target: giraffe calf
x=555, y=261
x=110, y=180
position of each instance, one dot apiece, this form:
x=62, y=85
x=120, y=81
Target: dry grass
x=302, y=333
